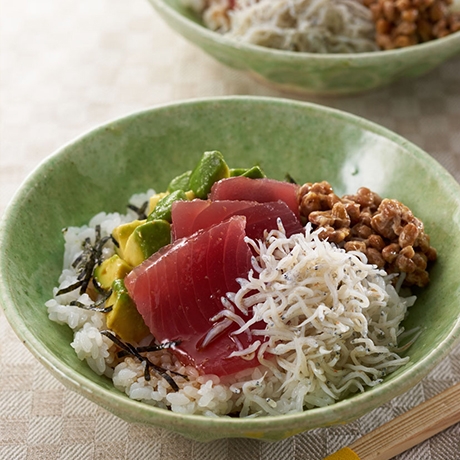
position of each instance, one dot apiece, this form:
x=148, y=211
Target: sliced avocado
x=237, y=171
x=253, y=173
x=180, y=182
x=145, y=240
x=123, y=232
x=154, y=201
x=124, y=319
x=163, y=208
x=210, y=169
x=111, y=269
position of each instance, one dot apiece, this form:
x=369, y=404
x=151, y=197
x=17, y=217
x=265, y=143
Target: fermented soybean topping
x=178, y=291
x=385, y=230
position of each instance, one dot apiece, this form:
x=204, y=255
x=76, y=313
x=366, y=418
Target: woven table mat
x=66, y=66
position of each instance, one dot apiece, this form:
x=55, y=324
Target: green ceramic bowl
x=323, y=74
x=103, y=168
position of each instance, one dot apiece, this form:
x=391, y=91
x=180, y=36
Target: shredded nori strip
x=69, y=288
x=140, y=211
x=133, y=351
x=161, y=346
x=96, y=306
x=85, y=263
x=290, y=179
x=98, y=287
x=149, y=348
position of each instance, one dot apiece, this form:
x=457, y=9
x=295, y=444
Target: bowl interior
x=102, y=169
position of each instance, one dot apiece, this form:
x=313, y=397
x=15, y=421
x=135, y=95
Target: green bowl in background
x=311, y=73
x=100, y=170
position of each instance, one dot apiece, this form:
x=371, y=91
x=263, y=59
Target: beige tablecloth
x=68, y=65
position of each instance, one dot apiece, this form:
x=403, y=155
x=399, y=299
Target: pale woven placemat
x=68, y=65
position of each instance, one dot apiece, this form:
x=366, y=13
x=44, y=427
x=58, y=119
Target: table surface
x=67, y=66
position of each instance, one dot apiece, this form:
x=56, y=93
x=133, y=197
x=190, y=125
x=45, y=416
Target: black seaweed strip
x=90, y=257
x=149, y=348
x=85, y=263
x=98, y=249
x=69, y=288
x=179, y=374
x=95, y=306
x=148, y=364
x=86, y=243
x=162, y=372
x=161, y=346
x=140, y=211
x=77, y=260
x=98, y=286
x=290, y=179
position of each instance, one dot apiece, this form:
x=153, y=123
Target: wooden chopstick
x=407, y=430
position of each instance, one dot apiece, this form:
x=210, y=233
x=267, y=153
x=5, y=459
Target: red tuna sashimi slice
x=261, y=190
x=190, y=216
x=178, y=290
